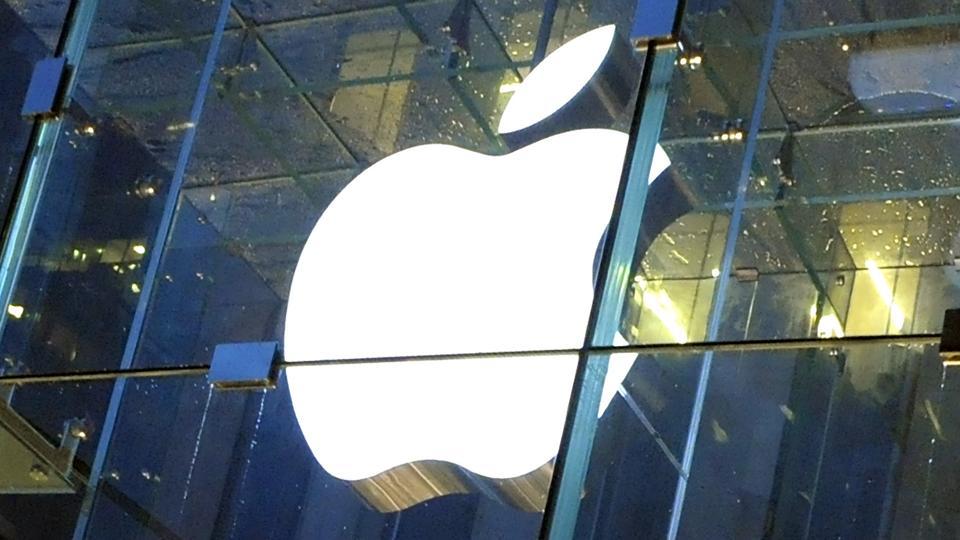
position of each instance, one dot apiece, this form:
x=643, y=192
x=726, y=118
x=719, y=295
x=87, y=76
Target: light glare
x=897, y=317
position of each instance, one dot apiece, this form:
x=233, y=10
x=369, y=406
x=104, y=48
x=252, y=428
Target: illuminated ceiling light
x=15, y=311
x=438, y=250
x=139, y=249
x=507, y=88
x=715, y=272
x=659, y=303
x=135, y=288
x=897, y=317
x=829, y=326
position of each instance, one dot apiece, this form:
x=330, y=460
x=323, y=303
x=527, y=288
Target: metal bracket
x=746, y=274
x=244, y=366
x=43, y=98
x=950, y=338
x=31, y=463
x=653, y=20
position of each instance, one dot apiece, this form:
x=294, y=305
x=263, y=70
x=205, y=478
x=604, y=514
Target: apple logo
x=437, y=250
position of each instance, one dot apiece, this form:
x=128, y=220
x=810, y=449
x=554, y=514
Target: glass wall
x=761, y=361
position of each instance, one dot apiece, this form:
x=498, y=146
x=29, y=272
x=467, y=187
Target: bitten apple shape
x=436, y=250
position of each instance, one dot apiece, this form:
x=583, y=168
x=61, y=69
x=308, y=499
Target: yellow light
x=897, y=318
x=139, y=249
x=135, y=288
x=15, y=311
x=829, y=326
x=660, y=304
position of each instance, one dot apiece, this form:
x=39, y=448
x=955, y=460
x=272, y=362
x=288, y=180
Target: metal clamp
x=950, y=338
x=47, y=84
x=244, y=366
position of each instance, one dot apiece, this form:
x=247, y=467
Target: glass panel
x=187, y=460
x=849, y=228
x=28, y=33
x=793, y=443
x=680, y=248
x=866, y=16
x=297, y=113
x=103, y=195
x=857, y=189
x=811, y=441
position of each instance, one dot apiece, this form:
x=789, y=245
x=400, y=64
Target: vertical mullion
x=726, y=268
x=573, y=457
x=157, y=249
x=40, y=152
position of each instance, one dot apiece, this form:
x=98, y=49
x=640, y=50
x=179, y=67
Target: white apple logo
x=438, y=250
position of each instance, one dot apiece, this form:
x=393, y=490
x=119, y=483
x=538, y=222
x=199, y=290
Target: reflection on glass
x=852, y=228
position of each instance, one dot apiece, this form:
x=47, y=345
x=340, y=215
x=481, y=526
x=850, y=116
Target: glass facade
x=760, y=358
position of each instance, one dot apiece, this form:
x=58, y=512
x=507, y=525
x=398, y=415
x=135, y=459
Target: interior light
x=897, y=317
x=15, y=311
x=135, y=288
x=715, y=272
x=829, y=326
x=139, y=249
x=659, y=303
x=507, y=88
